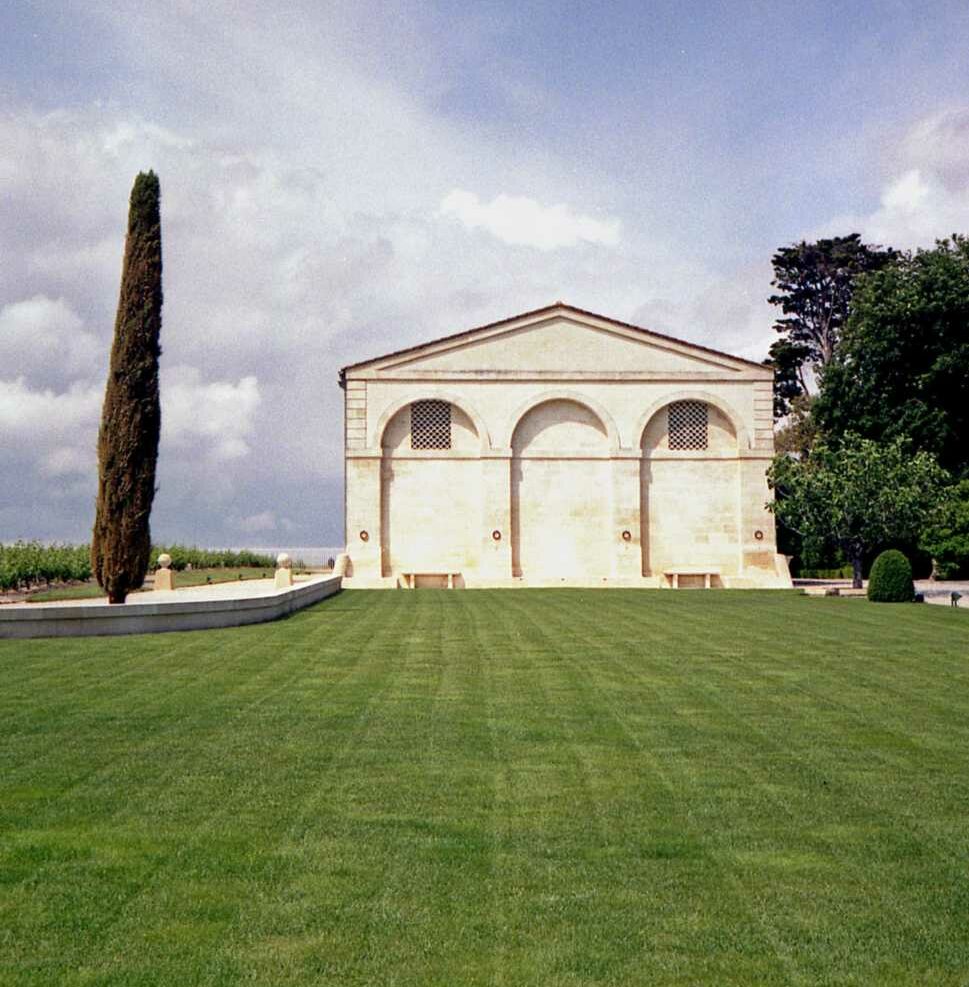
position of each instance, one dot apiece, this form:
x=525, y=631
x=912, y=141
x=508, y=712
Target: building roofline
x=539, y=311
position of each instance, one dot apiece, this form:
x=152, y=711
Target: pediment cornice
x=441, y=358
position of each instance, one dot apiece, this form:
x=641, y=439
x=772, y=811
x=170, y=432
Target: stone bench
x=707, y=572
x=409, y=579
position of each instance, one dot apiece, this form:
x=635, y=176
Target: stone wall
x=560, y=468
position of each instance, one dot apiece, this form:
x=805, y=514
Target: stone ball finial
x=283, y=561
x=165, y=560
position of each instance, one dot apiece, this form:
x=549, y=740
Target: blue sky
x=342, y=179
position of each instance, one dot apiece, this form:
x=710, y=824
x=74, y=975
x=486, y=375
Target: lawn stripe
x=245, y=648
x=287, y=814
x=682, y=825
x=846, y=795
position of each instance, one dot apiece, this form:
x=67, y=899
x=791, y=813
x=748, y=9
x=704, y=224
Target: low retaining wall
x=143, y=615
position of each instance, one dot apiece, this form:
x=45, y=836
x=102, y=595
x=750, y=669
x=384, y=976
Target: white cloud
x=68, y=461
x=216, y=418
x=522, y=221
x=729, y=315
x=38, y=418
x=51, y=434
x=939, y=143
x=45, y=337
x=906, y=195
x=128, y=134
x=916, y=209
x=926, y=196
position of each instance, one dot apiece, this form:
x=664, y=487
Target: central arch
x=560, y=498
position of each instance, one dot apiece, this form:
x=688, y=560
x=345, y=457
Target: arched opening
x=689, y=490
x=430, y=490
x=560, y=493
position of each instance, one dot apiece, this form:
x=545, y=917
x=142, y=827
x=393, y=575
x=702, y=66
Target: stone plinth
x=164, y=576
x=284, y=571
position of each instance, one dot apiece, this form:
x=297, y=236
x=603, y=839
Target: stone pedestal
x=284, y=571
x=284, y=578
x=164, y=577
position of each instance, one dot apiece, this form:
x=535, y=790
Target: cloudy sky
x=340, y=179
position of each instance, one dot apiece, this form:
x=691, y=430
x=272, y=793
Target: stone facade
x=559, y=447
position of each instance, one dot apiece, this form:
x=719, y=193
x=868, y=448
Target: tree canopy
x=790, y=382
x=858, y=494
x=902, y=368
x=814, y=284
x=947, y=538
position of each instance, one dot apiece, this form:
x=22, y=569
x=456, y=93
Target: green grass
x=189, y=577
x=509, y=788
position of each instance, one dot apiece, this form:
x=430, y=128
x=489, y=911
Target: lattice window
x=430, y=425
x=688, y=425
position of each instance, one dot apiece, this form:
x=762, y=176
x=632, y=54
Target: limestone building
x=559, y=447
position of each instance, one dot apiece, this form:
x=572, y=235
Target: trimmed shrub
x=891, y=579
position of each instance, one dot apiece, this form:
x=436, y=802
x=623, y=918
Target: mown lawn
x=519, y=788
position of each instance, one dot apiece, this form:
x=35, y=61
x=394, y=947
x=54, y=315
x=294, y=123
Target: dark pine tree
x=131, y=417
x=814, y=284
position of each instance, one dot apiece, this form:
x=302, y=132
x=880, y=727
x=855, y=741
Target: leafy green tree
x=903, y=365
x=800, y=432
x=857, y=495
x=814, y=284
x=131, y=416
x=947, y=539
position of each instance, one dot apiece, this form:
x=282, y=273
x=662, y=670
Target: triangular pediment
x=557, y=339
x=563, y=344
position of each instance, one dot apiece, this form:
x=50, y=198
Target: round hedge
x=890, y=580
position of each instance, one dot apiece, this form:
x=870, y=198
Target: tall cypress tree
x=131, y=417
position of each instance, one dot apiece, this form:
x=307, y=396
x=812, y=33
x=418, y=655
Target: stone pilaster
x=757, y=550
x=355, y=414
x=496, y=515
x=627, y=557
x=363, y=514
